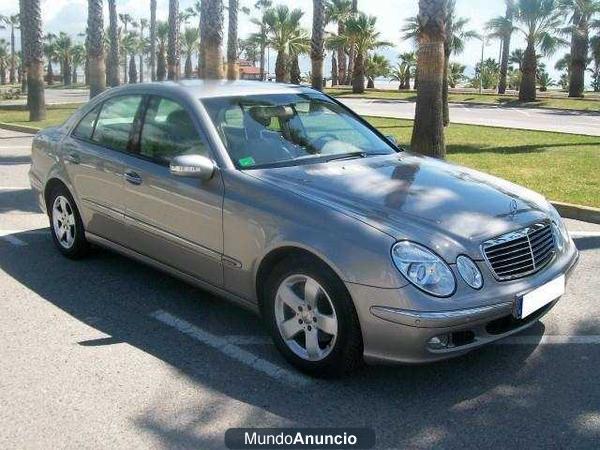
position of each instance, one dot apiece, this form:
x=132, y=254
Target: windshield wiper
x=348, y=155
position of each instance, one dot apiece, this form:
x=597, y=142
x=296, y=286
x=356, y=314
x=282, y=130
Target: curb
x=578, y=212
x=566, y=210
x=20, y=128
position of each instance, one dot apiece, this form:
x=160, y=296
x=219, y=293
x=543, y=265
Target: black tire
x=347, y=353
x=80, y=246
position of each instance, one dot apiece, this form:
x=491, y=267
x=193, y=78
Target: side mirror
x=194, y=166
x=392, y=139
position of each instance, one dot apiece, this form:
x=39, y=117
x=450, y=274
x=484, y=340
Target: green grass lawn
x=562, y=167
x=56, y=115
x=550, y=101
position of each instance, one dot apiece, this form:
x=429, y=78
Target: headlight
x=469, y=271
x=562, y=234
x=424, y=269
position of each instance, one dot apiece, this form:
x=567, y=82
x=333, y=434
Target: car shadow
x=20, y=201
x=448, y=404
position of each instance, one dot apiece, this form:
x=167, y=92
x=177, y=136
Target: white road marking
x=14, y=188
x=248, y=340
x=13, y=240
x=9, y=235
x=549, y=339
x=11, y=147
x=223, y=345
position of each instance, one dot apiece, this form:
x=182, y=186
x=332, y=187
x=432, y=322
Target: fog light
x=439, y=342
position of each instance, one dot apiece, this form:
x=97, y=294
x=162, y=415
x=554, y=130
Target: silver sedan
x=282, y=200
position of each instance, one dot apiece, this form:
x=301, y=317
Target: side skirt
x=102, y=242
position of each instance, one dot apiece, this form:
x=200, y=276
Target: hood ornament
x=514, y=208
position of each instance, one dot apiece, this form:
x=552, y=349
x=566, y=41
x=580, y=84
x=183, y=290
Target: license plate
x=539, y=297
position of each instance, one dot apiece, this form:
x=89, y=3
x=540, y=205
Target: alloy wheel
x=63, y=222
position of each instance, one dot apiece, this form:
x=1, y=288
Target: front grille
x=520, y=253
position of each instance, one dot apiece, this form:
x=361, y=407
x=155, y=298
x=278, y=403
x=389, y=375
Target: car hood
x=447, y=207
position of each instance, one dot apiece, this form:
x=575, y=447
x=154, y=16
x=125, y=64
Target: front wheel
x=66, y=225
x=312, y=318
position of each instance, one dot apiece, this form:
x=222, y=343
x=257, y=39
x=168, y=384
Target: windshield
x=289, y=129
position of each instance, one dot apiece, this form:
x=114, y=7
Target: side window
x=85, y=128
x=168, y=131
x=115, y=121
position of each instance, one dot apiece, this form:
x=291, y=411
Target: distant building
x=248, y=71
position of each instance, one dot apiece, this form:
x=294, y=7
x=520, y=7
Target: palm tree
x=125, y=19
x=339, y=11
x=77, y=59
x=232, y=41
x=64, y=48
x=13, y=22
x=361, y=37
x=173, y=40
x=130, y=45
x=317, y=44
x=352, y=48
x=580, y=13
x=162, y=34
x=538, y=20
x=95, y=48
x=332, y=44
x=456, y=35
x=286, y=36
x=376, y=66
x=595, y=51
x=516, y=57
x=3, y=60
x=49, y=49
x=456, y=74
x=31, y=37
x=191, y=37
x=213, y=40
x=261, y=37
x=408, y=63
x=502, y=27
x=428, y=131
x=142, y=47
x=113, y=48
x=153, y=40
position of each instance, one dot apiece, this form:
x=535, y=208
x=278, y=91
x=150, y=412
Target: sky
x=71, y=15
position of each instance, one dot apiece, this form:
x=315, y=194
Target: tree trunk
x=173, y=42
x=74, y=75
x=141, y=66
x=66, y=73
x=161, y=65
x=334, y=70
x=445, y=87
x=317, y=44
x=213, y=45
x=50, y=74
x=2, y=72
x=428, y=131
x=358, y=77
x=13, y=62
x=352, y=52
x=528, y=80
x=132, y=70
x=370, y=83
x=31, y=24
x=262, y=62
x=203, y=40
x=187, y=70
x=95, y=40
x=295, y=74
x=282, y=73
x=153, y=40
x=341, y=54
x=113, y=35
x=233, y=69
x=579, y=53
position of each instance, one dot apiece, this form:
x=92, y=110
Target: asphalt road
x=106, y=352
x=508, y=117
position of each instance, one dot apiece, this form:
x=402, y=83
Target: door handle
x=132, y=177
x=73, y=158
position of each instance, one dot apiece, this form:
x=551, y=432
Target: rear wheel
x=312, y=318
x=66, y=226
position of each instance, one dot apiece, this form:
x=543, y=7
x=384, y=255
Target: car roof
x=219, y=88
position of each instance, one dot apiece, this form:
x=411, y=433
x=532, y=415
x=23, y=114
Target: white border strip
x=223, y=345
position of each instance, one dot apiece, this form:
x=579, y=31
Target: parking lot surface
x=106, y=352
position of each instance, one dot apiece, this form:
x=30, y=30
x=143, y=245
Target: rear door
x=175, y=220
x=93, y=155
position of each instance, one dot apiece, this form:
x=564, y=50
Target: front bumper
x=395, y=333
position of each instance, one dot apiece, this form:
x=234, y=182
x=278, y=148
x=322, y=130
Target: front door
x=175, y=220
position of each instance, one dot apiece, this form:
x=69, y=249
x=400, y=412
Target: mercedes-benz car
x=281, y=199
